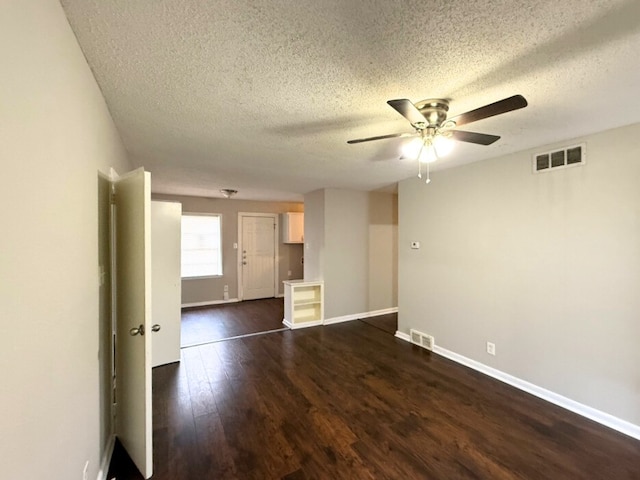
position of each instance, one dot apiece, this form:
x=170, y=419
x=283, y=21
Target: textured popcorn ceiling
x=261, y=96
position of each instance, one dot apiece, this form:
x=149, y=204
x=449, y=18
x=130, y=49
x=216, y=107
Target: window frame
x=220, y=221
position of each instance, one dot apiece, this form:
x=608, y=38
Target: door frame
x=276, y=251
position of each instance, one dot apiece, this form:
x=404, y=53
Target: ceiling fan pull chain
x=419, y=162
x=428, y=180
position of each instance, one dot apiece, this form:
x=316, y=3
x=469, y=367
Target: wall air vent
x=422, y=339
x=572, y=156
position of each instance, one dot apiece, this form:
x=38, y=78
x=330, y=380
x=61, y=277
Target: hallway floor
x=202, y=325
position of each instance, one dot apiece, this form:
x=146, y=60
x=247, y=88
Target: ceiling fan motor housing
x=434, y=110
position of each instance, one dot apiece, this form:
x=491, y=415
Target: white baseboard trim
x=358, y=316
x=403, y=336
x=591, y=413
x=209, y=302
x=375, y=313
x=106, y=458
x=295, y=326
x=280, y=295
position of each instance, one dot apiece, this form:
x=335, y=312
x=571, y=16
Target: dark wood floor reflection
x=217, y=322
x=350, y=401
x=387, y=323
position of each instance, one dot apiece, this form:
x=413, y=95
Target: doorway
x=259, y=309
x=258, y=239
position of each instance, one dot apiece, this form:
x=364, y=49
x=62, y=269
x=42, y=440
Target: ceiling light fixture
x=434, y=142
x=228, y=192
x=436, y=133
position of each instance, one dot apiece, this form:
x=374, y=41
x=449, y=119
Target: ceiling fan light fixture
x=228, y=192
x=443, y=145
x=428, y=153
x=411, y=149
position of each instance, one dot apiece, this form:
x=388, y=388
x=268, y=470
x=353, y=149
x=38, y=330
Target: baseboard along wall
x=358, y=316
x=591, y=413
x=209, y=302
x=295, y=326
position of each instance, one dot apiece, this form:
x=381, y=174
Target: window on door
x=201, y=246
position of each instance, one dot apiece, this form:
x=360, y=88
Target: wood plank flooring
x=350, y=401
x=387, y=323
x=209, y=324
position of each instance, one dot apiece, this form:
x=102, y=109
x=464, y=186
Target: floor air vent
x=422, y=339
x=562, y=158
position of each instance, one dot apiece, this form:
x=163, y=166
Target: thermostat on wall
x=415, y=245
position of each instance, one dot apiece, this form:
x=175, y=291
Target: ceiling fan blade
x=381, y=137
x=408, y=110
x=473, y=137
x=496, y=108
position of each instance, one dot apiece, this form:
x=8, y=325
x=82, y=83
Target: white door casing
x=166, y=220
x=133, y=310
x=258, y=241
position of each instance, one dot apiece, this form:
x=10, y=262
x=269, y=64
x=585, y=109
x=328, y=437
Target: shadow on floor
x=121, y=466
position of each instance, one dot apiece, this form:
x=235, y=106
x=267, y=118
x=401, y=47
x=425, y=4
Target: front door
x=133, y=313
x=258, y=256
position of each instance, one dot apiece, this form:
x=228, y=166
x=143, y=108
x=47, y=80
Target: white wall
x=346, y=252
x=55, y=134
x=546, y=265
x=314, y=235
x=351, y=244
x=383, y=251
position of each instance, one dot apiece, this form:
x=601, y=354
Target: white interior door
x=166, y=283
x=133, y=311
x=258, y=256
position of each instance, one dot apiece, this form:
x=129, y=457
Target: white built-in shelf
x=303, y=303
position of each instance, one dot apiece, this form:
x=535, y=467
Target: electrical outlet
x=491, y=348
x=85, y=471
x=226, y=288
x=289, y=272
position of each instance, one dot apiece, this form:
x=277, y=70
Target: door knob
x=155, y=327
x=137, y=331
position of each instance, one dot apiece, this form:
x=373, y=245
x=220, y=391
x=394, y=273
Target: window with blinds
x=201, y=246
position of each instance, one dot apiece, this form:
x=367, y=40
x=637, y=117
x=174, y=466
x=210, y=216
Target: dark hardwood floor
x=387, y=323
x=209, y=324
x=350, y=401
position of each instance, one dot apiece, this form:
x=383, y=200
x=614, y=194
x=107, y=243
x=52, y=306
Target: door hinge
x=112, y=198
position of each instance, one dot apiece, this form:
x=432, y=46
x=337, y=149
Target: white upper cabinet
x=293, y=227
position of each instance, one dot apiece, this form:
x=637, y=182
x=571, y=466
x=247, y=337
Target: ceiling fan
x=435, y=131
